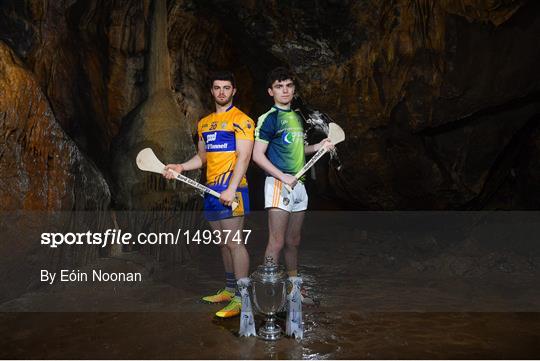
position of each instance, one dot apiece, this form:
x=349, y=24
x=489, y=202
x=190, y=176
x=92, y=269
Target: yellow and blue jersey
x=219, y=132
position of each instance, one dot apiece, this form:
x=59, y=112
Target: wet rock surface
x=436, y=98
x=159, y=124
x=417, y=86
x=42, y=168
x=89, y=59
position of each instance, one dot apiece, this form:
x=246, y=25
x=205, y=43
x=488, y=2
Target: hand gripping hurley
x=336, y=135
x=147, y=161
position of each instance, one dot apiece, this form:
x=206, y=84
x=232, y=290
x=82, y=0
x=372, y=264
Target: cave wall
x=42, y=168
x=88, y=57
x=437, y=98
x=157, y=123
x=434, y=96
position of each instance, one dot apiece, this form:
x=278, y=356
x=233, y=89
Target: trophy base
x=270, y=331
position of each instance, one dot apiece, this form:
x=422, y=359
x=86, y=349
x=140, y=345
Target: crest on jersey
x=287, y=137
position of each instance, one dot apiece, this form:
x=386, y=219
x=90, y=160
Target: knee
x=234, y=246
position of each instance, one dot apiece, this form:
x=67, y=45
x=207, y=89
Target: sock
x=230, y=282
x=292, y=273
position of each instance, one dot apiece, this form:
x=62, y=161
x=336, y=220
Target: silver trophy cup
x=268, y=284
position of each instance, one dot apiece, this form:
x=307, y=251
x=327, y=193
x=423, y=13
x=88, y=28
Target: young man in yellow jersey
x=225, y=145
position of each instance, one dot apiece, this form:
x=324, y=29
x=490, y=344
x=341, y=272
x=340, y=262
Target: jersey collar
x=281, y=109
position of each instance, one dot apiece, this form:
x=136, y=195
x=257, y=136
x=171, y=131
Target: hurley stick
x=336, y=135
x=147, y=161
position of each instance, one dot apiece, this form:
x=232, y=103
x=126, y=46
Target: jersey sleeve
x=266, y=128
x=199, y=129
x=244, y=127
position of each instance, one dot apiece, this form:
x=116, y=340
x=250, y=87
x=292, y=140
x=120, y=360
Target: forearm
x=240, y=168
x=194, y=163
x=263, y=162
x=310, y=149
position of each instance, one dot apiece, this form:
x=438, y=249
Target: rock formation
x=41, y=167
x=42, y=171
x=156, y=123
x=433, y=95
x=438, y=98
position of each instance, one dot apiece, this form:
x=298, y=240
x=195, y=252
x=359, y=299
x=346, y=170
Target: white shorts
x=277, y=196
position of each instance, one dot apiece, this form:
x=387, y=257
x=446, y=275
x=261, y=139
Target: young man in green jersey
x=280, y=151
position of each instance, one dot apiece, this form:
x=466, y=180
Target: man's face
x=282, y=91
x=222, y=91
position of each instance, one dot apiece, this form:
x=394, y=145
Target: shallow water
x=335, y=336
x=372, y=304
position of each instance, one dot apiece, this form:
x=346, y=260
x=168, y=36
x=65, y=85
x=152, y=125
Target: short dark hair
x=279, y=74
x=222, y=75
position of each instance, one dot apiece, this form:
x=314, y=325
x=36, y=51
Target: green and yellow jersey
x=282, y=130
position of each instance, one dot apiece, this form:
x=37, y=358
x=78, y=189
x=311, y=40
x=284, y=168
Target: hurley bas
x=66, y=275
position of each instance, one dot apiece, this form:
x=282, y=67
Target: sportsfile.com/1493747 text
x=117, y=236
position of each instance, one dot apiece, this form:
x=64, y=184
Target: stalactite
x=159, y=67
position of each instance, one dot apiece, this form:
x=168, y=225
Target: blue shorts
x=214, y=210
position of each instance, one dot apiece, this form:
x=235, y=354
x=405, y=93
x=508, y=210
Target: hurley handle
x=147, y=161
x=336, y=135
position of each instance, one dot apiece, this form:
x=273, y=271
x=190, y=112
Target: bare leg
x=277, y=226
x=292, y=240
x=237, y=250
x=225, y=253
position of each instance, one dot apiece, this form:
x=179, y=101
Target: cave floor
x=348, y=335
x=364, y=312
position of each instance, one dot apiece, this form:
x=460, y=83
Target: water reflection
x=382, y=295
